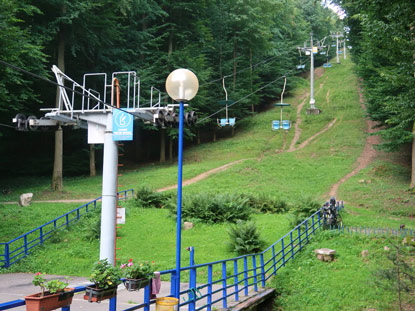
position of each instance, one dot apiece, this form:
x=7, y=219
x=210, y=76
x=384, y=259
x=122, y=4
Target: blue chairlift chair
x=323, y=52
x=340, y=52
x=226, y=102
x=286, y=124
x=275, y=125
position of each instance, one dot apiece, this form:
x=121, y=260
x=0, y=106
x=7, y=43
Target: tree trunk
x=171, y=150
x=251, y=70
x=170, y=44
x=198, y=136
x=58, y=158
x=234, y=64
x=92, y=169
x=162, y=145
x=412, y=186
x=214, y=134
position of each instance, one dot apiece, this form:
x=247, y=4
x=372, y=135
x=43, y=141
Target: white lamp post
x=181, y=85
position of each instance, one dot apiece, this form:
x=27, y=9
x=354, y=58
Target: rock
x=325, y=254
x=385, y=248
x=361, y=181
x=25, y=199
x=365, y=253
x=188, y=225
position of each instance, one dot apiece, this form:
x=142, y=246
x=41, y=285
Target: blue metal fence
x=222, y=281
x=20, y=247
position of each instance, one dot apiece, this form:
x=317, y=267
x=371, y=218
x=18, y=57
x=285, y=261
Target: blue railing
x=225, y=280
x=20, y=247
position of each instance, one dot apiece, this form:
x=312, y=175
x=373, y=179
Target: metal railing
x=221, y=281
x=20, y=247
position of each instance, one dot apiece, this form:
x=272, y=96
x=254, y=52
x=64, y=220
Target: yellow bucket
x=166, y=304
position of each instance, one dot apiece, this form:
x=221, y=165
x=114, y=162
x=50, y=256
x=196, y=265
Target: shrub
x=147, y=198
x=266, y=204
x=303, y=209
x=213, y=208
x=245, y=238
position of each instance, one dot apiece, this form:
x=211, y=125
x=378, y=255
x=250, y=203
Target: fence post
x=209, y=288
x=273, y=259
x=173, y=284
x=283, y=252
x=319, y=219
x=255, y=275
x=25, y=245
x=41, y=235
x=292, y=245
x=224, y=294
x=246, y=275
x=192, y=288
x=262, y=270
x=312, y=220
x=306, y=230
x=6, y=255
x=235, y=271
x=299, y=237
x=113, y=304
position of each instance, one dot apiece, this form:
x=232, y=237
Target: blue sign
x=122, y=125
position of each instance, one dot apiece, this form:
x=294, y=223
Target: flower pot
x=49, y=301
x=135, y=284
x=93, y=294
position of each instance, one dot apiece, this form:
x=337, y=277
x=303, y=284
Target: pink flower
x=123, y=266
x=38, y=273
x=130, y=264
x=152, y=261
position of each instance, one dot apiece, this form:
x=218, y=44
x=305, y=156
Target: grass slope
x=149, y=234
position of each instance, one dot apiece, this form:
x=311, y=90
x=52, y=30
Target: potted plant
x=54, y=294
x=106, y=278
x=137, y=275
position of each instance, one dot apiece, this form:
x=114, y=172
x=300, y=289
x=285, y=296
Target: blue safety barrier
x=18, y=248
x=232, y=278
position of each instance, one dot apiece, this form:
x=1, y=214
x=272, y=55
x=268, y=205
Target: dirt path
x=202, y=176
x=368, y=154
x=308, y=140
x=297, y=124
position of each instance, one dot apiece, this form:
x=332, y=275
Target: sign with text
x=122, y=125
x=120, y=215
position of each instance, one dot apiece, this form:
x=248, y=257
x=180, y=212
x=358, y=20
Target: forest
x=249, y=43
x=382, y=34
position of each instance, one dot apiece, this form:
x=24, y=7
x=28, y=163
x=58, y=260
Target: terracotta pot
x=49, y=301
x=135, y=284
x=93, y=294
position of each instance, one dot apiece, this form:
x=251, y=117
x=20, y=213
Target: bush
x=245, y=238
x=213, y=208
x=266, y=204
x=147, y=198
x=303, y=209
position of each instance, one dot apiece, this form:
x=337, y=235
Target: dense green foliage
x=382, y=34
x=245, y=238
x=213, y=208
x=250, y=43
x=146, y=198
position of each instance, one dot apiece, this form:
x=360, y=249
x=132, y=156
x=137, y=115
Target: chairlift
x=301, y=65
x=284, y=124
x=340, y=52
x=226, y=102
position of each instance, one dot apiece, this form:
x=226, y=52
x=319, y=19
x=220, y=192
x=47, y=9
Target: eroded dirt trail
x=297, y=124
x=368, y=154
x=202, y=176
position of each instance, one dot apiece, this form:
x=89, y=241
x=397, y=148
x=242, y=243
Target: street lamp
x=181, y=85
